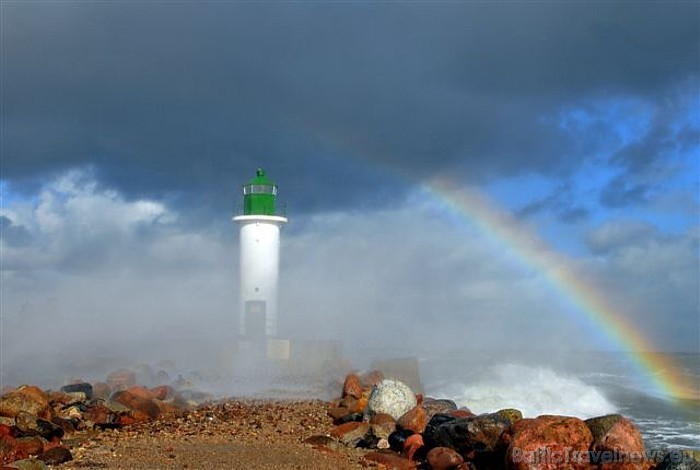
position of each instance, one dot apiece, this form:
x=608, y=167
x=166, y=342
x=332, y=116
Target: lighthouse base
x=283, y=364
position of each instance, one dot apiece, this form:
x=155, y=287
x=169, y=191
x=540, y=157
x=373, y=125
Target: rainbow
x=590, y=307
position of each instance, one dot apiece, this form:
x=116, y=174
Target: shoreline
x=374, y=422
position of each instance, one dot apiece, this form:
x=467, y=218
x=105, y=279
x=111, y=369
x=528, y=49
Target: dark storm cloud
x=184, y=100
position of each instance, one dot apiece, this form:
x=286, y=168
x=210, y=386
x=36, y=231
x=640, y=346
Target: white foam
x=532, y=390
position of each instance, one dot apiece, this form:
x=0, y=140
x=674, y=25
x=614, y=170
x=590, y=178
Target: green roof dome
x=259, y=195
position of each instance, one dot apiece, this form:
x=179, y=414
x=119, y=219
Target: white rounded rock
x=392, y=397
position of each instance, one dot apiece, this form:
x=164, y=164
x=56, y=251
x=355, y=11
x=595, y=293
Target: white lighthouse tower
x=259, y=258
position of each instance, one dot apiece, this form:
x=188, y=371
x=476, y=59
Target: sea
x=576, y=384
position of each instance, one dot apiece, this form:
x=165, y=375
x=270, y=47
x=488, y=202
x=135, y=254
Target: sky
x=129, y=127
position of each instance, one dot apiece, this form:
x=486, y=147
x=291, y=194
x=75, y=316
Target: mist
x=92, y=280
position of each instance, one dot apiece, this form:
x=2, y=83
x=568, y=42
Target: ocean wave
x=532, y=390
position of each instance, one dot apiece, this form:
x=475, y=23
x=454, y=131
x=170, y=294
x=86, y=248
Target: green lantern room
x=259, y=195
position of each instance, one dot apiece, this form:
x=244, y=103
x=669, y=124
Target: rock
x=389, y=460
x=435, y=421
x=323, y=441
x=10, y=451
x=678, y=460
x=415, y=419
x=141, y=392
x=68, y=425
x=351, y=434
x=392, y=397
x=397, y=439
x=71, y=412
x=349, y=403
x=163, y=392
x=350, y=418
x=135, y=399
x=101, y=390
x=59, y=398
x=443, y=458
x=469, y=436
x=352, y=387
x=462, y=413
x=28, y=399
x=4, y=420
x=27, y=464
x=121, y=379
x=370, y=379
x=31, y=425
x=125, y=420
x=380, y=432
x=385, y=421
x=338, y=414
x=102, y=417
x=433, y=406
x=6, y=430
x=81, y=387
x=618, y=435
x=547, y=442
x=76, y=397
x=414, y=443
x=116, y=407
x=30, y=445
x=511, y=414
x=167, y=406
x=56, y=455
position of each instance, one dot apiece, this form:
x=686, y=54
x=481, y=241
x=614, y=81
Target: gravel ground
x=226, y=435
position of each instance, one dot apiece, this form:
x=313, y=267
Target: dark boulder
x=82, y=387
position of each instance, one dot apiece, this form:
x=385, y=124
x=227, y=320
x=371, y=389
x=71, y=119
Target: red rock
x=27, y=398
x=412, y=444
x=101, y=390
x=618, y=435
x=350, y=434
x=163, y=392
x=547, y=443
x=419, y=399
x=125, y=420
x=6, y=430
x=141, y=392
x=60, y=397
x=444, y=458
x=389, y=460
x=348, y=402
x=461, y=413
x=121, y=379
x=352, y=386
x=370, y=379
x=414, y=420
x=167, y=407
x=101, y=416
x=10, y=450
x=30, y=445
x=140, y=416
x=137, y=402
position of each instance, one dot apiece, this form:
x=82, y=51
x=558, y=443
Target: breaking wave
x=532, y=390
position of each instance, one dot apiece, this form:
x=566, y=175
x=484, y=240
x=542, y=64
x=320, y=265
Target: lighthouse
x=259, y=257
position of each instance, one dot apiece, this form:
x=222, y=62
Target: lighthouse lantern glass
x=259, y=195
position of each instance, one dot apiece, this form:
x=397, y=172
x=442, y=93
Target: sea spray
x=532, y=390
